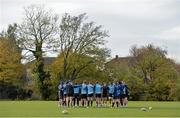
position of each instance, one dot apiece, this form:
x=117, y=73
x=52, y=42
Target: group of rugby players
x=84, y=94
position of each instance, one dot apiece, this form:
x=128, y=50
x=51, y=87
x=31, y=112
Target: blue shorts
x=76, y=95
x=116, y=97
x=123, y=96
x=90, y=95
x=84, y=96
x=110, y=95
x=98, y=95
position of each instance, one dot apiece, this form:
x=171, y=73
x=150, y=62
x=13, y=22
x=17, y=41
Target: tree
x=157, y=71
x=151, y=63
x=36, y=36
x=77, y=40
x=11, y=34
x=11, y=69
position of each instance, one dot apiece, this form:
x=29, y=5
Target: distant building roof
x=118, y=59
x=47, y=60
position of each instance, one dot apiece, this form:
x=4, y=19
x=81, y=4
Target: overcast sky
x=129, y=22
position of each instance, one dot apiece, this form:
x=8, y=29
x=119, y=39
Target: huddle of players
x=84, y=94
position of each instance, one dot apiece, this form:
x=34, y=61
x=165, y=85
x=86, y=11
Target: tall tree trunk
x=39, y=70
x=145, y=77
x=65, y=69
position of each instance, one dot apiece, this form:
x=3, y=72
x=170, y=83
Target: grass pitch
x=50, y=109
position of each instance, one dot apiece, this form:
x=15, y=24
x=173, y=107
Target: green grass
x=50, y=109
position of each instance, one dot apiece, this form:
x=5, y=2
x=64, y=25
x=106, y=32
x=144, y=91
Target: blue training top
x=124, y=89
x=76, y=89
x=84, y=89
x=65, y=89
x=90, y=89
x=98, y=89
x=60, y=87
x=111, y=88
x=117, y=90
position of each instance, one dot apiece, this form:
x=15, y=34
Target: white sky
x=130, y=22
